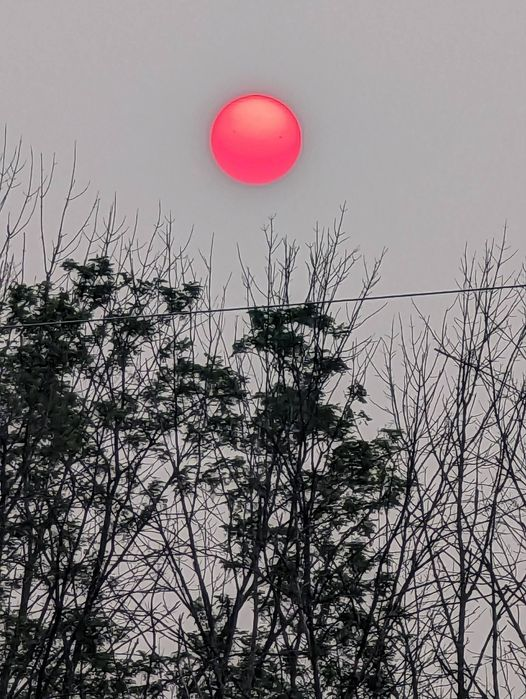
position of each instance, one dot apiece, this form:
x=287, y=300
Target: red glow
x=255, y=139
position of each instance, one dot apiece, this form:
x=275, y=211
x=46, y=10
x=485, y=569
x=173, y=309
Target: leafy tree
x=325, y=488
x=115, y=428
x=178, y=515
x=75, y=491
x=304, y=606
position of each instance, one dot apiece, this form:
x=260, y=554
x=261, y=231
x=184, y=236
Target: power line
x=231, y=309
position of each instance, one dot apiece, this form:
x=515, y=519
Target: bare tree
x=459, y=404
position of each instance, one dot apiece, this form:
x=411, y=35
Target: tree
x=457, y=398
x=76, y=490
x=188, y=506
x=78, y=479
x=140, y=460
x=302, y=494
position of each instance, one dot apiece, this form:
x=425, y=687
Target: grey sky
x=413, y=111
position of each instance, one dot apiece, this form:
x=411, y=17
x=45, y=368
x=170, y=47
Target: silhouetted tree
x=140, y=460
x=188, y=506
x=292, y=592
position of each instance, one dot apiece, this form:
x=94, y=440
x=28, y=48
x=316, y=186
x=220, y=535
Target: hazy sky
x=413, y=111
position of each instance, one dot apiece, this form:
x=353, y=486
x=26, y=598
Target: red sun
x=255, y=139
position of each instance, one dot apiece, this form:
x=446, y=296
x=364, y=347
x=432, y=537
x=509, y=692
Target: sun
x=256, y=139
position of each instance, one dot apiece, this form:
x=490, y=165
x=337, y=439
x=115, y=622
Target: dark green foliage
x=77, y=421
x=298, y=491
x=303, y=493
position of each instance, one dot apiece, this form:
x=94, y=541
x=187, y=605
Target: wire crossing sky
x=230, y=309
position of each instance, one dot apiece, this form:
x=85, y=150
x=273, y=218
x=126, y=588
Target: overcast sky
x=413, y=111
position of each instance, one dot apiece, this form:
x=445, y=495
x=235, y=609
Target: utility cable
x=231, y=309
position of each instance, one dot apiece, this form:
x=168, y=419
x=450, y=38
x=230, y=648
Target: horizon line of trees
x=190, y=509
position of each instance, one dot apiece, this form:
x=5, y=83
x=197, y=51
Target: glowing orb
x=255, y=139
